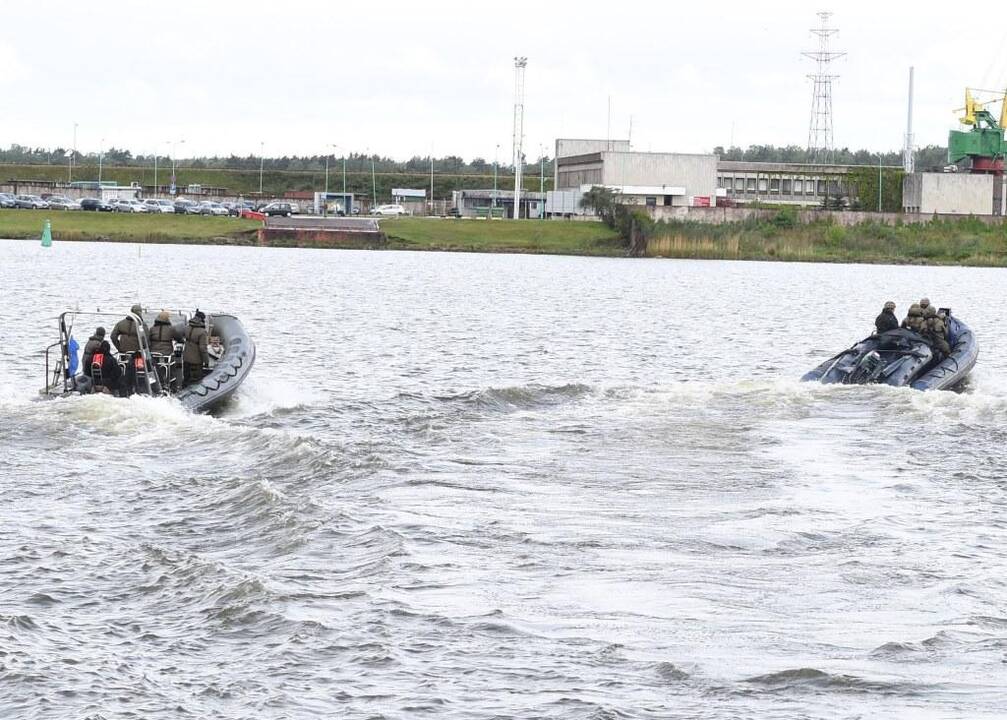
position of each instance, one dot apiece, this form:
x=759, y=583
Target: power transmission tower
x=520, y=63
x=820, y=131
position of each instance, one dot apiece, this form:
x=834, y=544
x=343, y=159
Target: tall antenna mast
x=520, y=63
x=820, y=130
x=908, y=164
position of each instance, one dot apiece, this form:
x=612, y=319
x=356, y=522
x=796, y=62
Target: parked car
x=31, y=202
x=390, y=210
x=7, y=200
x=61, y=202
x=159, y=206
x=186, y=207
x=125, y=205
x=208, y=207
x=277, y=208
x=95, y=205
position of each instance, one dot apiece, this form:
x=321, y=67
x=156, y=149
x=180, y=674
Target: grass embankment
x=940, y=242
x=527, y=236
x=120, y=227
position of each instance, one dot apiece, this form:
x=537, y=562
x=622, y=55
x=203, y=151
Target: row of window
x=778, y=186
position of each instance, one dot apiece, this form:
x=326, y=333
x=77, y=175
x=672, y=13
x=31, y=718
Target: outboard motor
x=866, y=371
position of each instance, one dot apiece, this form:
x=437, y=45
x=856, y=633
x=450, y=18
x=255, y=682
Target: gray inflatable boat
x=902, y=357
x=231, y=356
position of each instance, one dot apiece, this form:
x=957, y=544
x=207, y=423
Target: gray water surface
x=492, y=486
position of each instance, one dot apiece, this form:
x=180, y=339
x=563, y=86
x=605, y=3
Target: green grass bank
x=940, y=242
x=527, y=236
x=119, y=227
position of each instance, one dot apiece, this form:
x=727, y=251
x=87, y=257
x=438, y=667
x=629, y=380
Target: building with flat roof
x=651, y=179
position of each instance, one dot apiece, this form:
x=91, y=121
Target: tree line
x=928, y=158
x=931, y=157
x=355, y=162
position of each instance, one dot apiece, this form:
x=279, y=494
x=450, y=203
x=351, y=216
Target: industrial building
x=651, y=179
x=745, y=182
x=690, y=180
x=953, y=194
x=497, y=204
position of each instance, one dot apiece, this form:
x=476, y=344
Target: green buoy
x=47, y=234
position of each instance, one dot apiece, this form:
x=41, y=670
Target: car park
x=95, y=205
x=159, y=206
x=389, y=210
x=61, y=202
x=283, y=209
x=7, y=200
x=31, y=202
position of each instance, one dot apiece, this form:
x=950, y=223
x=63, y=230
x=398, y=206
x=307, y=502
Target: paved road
x=344, y=224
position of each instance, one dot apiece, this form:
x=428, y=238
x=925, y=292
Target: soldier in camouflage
x=914, y=320
x=935, y=331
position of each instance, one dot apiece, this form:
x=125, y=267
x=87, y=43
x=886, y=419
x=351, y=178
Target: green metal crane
x=984, y=142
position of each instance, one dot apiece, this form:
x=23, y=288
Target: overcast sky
x=408, y=78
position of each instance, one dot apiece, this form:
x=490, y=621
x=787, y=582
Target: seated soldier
x=914, y=320
x=886, y=320
x=104, y=370
x=935, y=332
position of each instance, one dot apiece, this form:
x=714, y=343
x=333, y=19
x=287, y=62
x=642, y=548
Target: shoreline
x=949, y=244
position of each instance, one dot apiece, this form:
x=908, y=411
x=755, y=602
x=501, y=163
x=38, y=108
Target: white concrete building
x=953, y=194
x=651, y=179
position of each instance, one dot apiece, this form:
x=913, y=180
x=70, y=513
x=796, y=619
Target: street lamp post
x=174, y=188
x=155, y=171
x=262, y=164
x=496, y=158
x=374, y=184
x=73, y=151
x=101, y=151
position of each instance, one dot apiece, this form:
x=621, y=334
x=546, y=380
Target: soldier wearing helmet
x=935, y=332
x=914, y=320
x=886, y=320
x=163, y=335
x=924, y=304
x=125, y=333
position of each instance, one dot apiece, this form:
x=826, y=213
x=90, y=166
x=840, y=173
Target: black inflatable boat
x=231, y=356
x=902, y=357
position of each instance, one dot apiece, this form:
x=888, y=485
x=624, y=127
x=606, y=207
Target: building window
x=750, y=186
x=763, y=185
x=651, y=201
x=821, y=187
x=667, y=201
x=786, y=186
x=739, y=184
x=798, y=187
x=774, y=186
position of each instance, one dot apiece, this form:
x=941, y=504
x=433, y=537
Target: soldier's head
x=915, y=310
x=163, y=316
x=136, y=309
x=929, y=311
x=925, y=303
x=890, y=306
x=100, y=332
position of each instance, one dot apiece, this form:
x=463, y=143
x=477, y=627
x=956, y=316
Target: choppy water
x=471, y=486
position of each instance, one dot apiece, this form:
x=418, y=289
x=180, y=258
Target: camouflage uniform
x=914, y=320
x=935, y=331
x=924, y=304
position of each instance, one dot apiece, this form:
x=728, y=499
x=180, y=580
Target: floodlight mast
x=520, y=63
